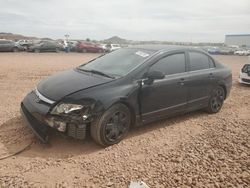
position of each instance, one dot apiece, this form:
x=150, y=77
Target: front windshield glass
x=119, y=62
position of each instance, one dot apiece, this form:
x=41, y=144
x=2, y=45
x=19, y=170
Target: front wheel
x=216, y=100
x=113, y=125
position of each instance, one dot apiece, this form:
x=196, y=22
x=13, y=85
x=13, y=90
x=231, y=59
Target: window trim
x=189, y=61
x=179, y=52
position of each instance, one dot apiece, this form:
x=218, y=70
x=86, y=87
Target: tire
x=15, y=49
x=84, y=50
x=37, y=51
x=216, y=100
x=113, y=125
x=57, y=50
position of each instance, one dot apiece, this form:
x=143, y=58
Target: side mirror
x=155, y=75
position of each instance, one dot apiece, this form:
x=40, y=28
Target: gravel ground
x=192, y=150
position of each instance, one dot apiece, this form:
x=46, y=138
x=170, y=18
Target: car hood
x=65, y=83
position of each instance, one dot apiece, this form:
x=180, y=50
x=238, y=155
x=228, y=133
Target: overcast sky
x=170, y=20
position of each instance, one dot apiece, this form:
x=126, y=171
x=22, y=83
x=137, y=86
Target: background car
x=89, y=47
x=128, y=87
x=45, y=46
x=73, y=45
x=10, y=46
x=242, y=52
x=25, y=43
x=112, y=47
x=244, y=77
x=213, y=50
x=226, y=51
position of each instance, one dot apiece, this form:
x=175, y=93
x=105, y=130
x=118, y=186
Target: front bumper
x=34, y=111
x=244, y=78
x=36, y=114
x=38, y=128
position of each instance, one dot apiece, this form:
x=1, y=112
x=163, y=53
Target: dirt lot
x=193, y=150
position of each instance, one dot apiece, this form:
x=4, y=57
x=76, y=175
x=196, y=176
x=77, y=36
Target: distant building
x=237, y=40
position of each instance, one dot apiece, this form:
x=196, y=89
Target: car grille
x=245, y=80
x=77, y=131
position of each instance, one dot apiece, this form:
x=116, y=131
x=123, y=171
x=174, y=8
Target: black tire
x=15, y=49
x=216, y=100
x=113, y=125
x=37, y=51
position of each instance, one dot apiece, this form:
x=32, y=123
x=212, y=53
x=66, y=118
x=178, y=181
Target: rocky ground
x=192, y=150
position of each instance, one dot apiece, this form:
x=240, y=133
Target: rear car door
x=201, y=79
x=168, y=95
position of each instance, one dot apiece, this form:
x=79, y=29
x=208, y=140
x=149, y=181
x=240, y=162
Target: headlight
x=64, y=108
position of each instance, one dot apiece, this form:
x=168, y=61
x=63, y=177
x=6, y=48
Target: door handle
x=181, y=82
x=211, y=75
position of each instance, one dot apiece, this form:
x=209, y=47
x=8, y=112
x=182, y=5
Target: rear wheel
x=216, y=100
x=113, y=126
x=15, y=49
x=37, y=51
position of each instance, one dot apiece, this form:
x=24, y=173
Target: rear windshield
x=119, y=62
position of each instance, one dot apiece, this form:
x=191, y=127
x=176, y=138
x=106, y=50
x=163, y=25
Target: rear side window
x=199, y=61
x=171, y=64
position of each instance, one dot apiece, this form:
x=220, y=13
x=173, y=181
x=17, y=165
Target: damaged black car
x=128, y=87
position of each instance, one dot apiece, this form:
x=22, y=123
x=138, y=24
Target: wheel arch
x=224, y=88
x=128, y=105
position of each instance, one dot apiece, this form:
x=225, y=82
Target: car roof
x=157, y=48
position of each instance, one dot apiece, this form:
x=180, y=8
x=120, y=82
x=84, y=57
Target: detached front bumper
x=38, y=128
x=35, y=111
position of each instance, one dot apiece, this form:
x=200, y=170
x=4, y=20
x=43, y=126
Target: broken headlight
x=64, y=108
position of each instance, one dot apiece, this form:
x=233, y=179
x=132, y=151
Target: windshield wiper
x=97, y=72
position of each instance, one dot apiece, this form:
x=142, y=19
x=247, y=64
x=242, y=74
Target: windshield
x=119, y=62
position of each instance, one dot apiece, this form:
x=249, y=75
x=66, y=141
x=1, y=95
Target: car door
x=168, y=95
x=5, y=46
x=201, y=79
x=9, y=45
x=1, y=45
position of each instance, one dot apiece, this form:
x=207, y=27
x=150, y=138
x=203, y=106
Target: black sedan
x=128, y=87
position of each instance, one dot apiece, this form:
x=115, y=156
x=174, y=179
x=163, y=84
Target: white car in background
x=112, y=47
x=242, y=52
x=244, y=77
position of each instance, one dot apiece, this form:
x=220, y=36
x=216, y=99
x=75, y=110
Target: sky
x=163, y=20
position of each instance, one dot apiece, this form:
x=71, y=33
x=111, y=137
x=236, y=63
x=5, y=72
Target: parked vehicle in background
x=112, y=47
x=244, y=77
x=25, y=43
x=73, y=45
x=214, y=50
x=104, y=47
x=45, y=46
x=89, y=47
x=242, y=52
x=128, y=87
x=226, y=51
x=10, y=46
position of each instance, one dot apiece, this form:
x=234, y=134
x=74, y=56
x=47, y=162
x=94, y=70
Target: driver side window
x=171, y=64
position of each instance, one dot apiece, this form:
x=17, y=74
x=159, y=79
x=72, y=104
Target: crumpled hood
x=67, y=82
